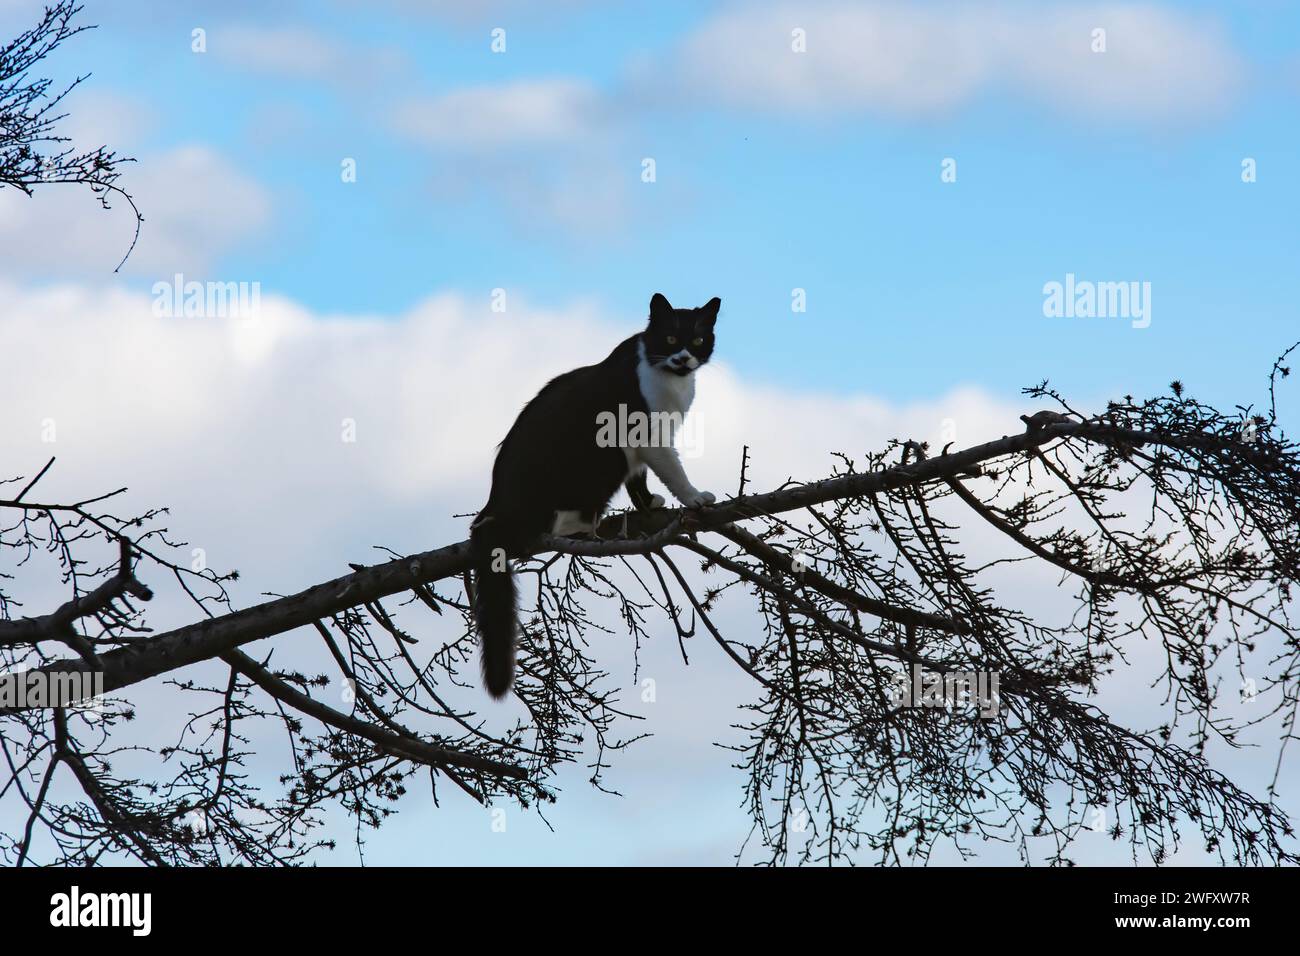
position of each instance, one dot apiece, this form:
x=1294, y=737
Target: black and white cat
x=557, y=470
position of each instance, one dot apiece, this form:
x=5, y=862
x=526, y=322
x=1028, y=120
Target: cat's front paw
x=656, y=501
x=698, y=499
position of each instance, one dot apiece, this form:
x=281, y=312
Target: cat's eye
x=697, y=342
x=672, y=340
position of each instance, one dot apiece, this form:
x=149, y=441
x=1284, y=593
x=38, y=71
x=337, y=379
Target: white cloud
x=432, y=392
x=921, y=59
x=476, y=13
x=548, y=150
x=301, y=53
x=100, y=117
x=196, y=204
x=517, y=113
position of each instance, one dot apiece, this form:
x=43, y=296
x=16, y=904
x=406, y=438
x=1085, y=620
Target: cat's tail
x=495, y=610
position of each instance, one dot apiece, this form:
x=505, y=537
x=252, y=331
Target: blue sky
x=775, y=171
x=910, y=281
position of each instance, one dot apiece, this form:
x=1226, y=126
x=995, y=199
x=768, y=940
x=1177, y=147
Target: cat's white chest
x=664, y=391
x=668, y=398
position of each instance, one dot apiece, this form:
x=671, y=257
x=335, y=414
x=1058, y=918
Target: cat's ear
x=710, y=309
x=660, y=307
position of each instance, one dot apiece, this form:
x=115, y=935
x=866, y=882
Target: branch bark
x=58, y=625
x=408, y=745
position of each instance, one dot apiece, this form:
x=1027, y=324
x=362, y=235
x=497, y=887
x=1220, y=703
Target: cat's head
x=679, y=340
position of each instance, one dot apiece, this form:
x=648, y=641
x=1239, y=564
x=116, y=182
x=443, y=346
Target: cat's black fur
x=550, y=461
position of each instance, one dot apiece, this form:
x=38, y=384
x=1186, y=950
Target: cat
x=558, y=468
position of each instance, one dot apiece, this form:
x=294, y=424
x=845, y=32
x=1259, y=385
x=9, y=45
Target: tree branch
x=405, y=745
x=633, y=533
